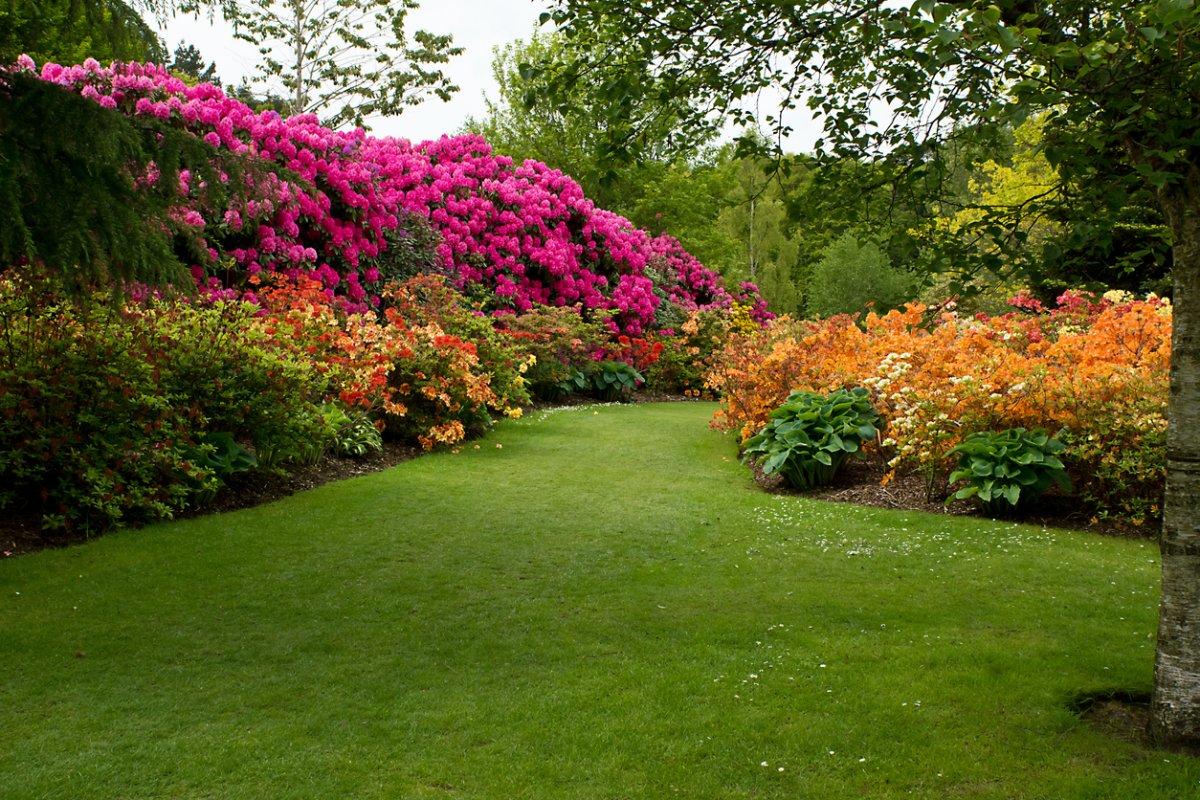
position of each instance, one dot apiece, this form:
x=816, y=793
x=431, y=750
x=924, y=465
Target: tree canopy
x=69, y=31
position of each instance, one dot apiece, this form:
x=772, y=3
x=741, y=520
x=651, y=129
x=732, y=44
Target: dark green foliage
x=613, y=380
x=411, y=250
x=1006, y=471
x=68, y=198
x=111, y=415
x=70, y=31
x=67, y=195
x=1127, y=247
x=810, y=436
x=218, y=457
x=189, y=63
x=608, y=380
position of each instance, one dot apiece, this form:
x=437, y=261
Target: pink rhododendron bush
x=517, y=235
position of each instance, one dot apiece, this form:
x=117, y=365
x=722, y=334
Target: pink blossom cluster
x=525, y=232
x=749, y=295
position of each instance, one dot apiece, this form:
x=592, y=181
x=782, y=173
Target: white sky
x=477, y=25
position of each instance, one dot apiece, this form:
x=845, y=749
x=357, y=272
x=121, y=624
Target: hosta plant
x=614, y=380
x=1009, y=469
x=810, y=436
x=354, y=436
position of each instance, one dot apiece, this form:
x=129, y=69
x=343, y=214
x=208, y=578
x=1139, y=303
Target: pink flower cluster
x=525, y=232
x=750, y=295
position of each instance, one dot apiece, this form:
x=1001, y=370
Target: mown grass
x=605, y=607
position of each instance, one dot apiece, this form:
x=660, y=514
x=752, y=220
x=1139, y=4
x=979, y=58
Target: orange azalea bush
x=429, y=385
x=1097, y=370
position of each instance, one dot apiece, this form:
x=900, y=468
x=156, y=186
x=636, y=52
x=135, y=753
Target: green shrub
x=235, y=376
x=429, y=299
x=410, y=250
x=613, y=380
x=852, y=274
x=687, y=353
x=1008, y=469
x=118, y=414
x=561, y=342
x=86, y=438
x=220, y=457
x=353, y=436
x=810, y=436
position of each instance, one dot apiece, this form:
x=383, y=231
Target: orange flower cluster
x=422, y=378
x=1097, y=371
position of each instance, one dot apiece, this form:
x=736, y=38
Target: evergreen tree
x=189, y=65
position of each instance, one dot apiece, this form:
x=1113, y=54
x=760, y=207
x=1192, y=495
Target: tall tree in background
x=572, y=136
x=1119, y=82
x=189, y=64
x=344, y=60
x=755, y=216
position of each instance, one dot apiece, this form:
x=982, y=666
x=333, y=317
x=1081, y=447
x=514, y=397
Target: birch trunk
x=1175, y=708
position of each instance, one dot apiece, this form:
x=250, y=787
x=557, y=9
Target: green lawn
x=607, y=607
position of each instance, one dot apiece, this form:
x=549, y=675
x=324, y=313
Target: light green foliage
x=755, y=217
x=810, y=436
x=852, y=274
x=571, y=137
x=684, y=199
x=1008, y=470
x=355, y=435
x=344, y=60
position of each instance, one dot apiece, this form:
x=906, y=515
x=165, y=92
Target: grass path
x=605, y=607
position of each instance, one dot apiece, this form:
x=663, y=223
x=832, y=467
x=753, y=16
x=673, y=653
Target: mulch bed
x=860, y=482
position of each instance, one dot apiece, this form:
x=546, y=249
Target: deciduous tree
x=344, y=60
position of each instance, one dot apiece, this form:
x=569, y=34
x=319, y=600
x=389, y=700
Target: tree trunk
x=1175, y=709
